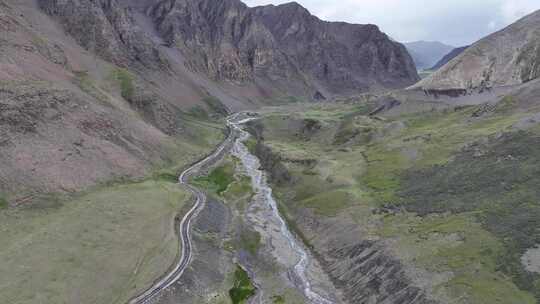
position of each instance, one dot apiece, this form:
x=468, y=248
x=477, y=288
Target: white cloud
x=514, y=9
x=457, y=22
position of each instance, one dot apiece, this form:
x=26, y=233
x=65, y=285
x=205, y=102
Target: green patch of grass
x=198, y=112
x=240, y=187
x=506, y=105
x=250, y=241
x=215, y=105
x=346, y=132
x=278, y=299
x=3, y=202
x=251, y=144
x=382, y=176
x=329, y=203
x=239, y=192
x=487, y=288
x=432, y=138
x=165, y=176
x=219, y=179
x=242, y=289
x=87, y=84
x=126, y=81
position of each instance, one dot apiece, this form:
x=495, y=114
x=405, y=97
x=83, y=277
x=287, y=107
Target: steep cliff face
x=338, y=56
x=221, y=38
x=105, y=28
x=508, y=57
x=230, y=41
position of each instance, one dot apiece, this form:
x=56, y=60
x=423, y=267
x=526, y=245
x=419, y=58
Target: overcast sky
x=456, y=22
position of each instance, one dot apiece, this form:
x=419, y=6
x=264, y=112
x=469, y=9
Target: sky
x=455, y=22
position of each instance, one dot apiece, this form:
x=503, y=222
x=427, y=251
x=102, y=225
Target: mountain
x=337, y=55
x=125, y=76
x=448, y=57
x=507, y=57
x=426, y=53
x=282, y=45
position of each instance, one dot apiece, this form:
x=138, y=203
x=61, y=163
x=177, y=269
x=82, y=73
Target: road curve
x=185, y=225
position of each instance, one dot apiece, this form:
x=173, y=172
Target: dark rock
x=319, y=96
x=107, y=29
x=385, y=103
x=271, y=163
x=228, y=40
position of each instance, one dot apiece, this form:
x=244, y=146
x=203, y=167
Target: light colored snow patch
x=531, y=259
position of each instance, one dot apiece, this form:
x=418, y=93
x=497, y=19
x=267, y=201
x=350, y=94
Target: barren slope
x=508, y=57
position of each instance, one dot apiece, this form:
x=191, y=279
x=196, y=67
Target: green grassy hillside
x=453, y=189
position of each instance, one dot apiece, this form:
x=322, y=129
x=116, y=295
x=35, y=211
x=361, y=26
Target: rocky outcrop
x=221, y=38
x=508, y=57
x=364, y=270
x=107, y=29
x=230, y=41
x=271, y=162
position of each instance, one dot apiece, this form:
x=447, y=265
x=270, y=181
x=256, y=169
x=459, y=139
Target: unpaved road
x=185, y=225
x=234, y=139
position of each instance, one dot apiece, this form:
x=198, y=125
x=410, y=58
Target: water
x=263, y=193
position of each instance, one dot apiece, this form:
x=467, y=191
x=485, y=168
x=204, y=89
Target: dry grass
x=98, y=248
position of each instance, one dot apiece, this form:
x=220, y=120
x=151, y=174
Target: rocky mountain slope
x=102, y=84
x=508, y=57
x=448, y=57
x=282, y=45
x=426, y=53
x=339, y=57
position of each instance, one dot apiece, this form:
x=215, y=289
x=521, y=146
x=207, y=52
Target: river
x=288, y=249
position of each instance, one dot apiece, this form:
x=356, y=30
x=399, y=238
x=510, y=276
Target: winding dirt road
x=185, y=225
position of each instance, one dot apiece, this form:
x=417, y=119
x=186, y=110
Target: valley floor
x=433, y=206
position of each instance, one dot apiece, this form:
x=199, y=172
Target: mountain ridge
x=505, y=58
x=448, y=57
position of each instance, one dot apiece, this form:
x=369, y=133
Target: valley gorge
x=207, y=151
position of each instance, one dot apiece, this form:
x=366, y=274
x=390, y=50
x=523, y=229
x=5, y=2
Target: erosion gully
x=264, y=199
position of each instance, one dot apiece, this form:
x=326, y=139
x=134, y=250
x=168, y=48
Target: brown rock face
x=231, y=41
x=508, y=57
x=221, y=38
x=338, y=56
x=281, y=48
x=105, y=28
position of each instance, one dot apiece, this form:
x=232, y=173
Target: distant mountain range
x=426, y=53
